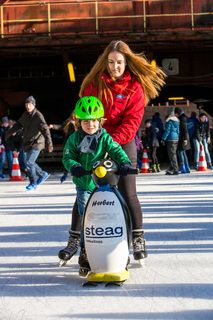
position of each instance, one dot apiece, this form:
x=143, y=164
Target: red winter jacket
x=125, y=111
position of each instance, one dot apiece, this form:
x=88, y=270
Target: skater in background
x=139, y=148
x=16, y=140
x=124, y=81
x=183, y=142
x=170, y=138
x=191, y=128
x=7, y=155
x=159, y=125
x=68, y=127
x=151, y=143
x=36, y=136
x=89, y=144
x=191, y=121
x=202, y=135
x=2, y=151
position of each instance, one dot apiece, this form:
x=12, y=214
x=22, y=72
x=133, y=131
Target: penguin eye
x=108, y=164
x=96, y=164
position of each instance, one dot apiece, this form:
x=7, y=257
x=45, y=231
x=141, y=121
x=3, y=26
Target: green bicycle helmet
x=89, y=108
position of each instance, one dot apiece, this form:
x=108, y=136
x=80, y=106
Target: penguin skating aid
x=106, y=229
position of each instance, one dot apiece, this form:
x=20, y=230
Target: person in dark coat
x=8, y=144
x=202, y=136
x=184, y=141
x=16, y=140
x=159, y=125
x=150, y=141
x=36, y=136
x=139, y=147
x=191, y=128
x=2, y=158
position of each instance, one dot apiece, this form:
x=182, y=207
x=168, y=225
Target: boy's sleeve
x=70, y=153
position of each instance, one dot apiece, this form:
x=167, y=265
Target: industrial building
x=47, y=47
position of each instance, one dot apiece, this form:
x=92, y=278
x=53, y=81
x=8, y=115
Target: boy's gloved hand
x=124, y=169
x=78, y=171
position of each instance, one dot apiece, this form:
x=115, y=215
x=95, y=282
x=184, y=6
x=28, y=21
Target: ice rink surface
x=176, y=282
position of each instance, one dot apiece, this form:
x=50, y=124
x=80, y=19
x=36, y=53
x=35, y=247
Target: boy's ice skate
x=72, y=247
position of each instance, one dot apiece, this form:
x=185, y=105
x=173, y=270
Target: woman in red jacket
x=124, y=81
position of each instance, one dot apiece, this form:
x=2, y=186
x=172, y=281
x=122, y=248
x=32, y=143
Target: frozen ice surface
x=176, y=282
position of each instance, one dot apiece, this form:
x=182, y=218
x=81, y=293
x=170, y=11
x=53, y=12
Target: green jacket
x=72, y=156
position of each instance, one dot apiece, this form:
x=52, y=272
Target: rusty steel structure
x=150, y=19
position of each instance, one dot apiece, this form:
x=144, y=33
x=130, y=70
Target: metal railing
x=79, y=17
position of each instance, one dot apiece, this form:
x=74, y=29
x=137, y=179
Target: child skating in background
x=139, y=148
x=87, y=145
x=151, y=143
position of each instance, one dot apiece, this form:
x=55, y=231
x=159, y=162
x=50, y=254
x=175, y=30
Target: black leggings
x=127, y=187
x=153, y=154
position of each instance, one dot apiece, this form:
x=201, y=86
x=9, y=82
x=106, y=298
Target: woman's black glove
x=124, y=169
x=78, y=171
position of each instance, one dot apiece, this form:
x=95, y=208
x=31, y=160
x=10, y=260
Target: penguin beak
x=100, y=171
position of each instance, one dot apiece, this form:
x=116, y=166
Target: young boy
x=87, y=145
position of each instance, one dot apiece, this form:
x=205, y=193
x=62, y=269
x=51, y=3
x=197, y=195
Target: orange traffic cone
x=16, y=172
x=145, y=162
x=202, y=166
